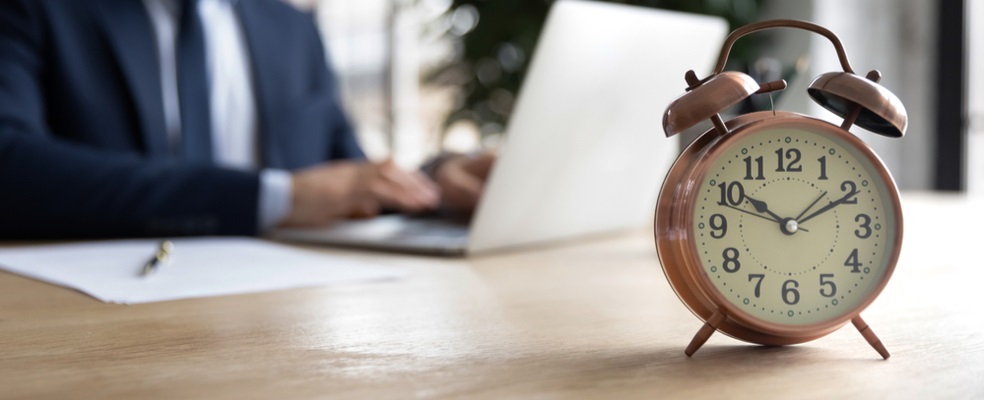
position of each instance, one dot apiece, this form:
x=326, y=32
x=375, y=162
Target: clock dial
x=793, y=225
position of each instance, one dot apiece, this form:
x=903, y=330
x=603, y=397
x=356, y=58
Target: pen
x=163, y=252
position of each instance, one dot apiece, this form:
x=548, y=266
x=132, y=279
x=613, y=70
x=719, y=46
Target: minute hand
x=830, y=205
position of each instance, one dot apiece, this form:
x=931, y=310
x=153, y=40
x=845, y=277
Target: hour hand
x=761, y=207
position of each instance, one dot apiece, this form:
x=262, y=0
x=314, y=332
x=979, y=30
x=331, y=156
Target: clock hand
x=788, y=226
x=810, y=206
x=757, y=215
x=830, y=205
x=749, y=212
x=763, y=208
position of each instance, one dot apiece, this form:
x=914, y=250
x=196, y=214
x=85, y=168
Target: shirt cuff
x=275, y=198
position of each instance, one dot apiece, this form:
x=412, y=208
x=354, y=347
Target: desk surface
x=586, y=320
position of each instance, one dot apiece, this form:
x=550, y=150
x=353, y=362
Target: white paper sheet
x=198, y=267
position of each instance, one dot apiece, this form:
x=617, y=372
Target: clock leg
x=704, y=333
x=870, y=336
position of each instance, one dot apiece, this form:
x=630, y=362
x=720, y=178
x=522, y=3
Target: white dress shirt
x=231, y=100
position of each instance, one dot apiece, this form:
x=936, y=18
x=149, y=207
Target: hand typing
x=335, y=190
x=462, y=179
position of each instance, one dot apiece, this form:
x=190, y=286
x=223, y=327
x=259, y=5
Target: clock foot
x=704, y=333
x=870, y=336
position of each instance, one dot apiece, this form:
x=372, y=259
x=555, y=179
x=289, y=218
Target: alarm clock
x=773, y=227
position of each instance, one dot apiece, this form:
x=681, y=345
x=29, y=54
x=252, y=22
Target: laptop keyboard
x=432, y=228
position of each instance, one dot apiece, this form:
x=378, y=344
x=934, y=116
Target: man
x=185, y=117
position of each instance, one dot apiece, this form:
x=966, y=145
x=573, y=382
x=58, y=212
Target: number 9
x=720, y=225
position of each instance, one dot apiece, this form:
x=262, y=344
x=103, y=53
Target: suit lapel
x=129, y=32
x=265, y=62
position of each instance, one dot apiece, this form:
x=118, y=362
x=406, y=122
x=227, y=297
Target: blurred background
x=422, y=76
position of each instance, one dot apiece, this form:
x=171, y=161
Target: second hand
x=810, y=206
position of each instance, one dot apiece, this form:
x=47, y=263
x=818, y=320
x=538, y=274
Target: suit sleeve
x=53, y=188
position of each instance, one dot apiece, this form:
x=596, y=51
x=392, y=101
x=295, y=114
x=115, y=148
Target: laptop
x=584, y=151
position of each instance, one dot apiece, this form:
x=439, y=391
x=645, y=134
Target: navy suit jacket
x=83, y=148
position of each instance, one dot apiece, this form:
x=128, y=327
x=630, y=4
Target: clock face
x=793, y=225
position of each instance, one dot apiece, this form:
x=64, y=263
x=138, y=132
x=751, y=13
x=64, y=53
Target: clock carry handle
x=781, y=23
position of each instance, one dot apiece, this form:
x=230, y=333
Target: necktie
x=193, y=92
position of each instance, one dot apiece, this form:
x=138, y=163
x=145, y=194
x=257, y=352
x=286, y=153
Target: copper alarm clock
x=774, y=227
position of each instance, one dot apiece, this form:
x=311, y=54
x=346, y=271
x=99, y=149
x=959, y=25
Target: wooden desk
x=589, y=320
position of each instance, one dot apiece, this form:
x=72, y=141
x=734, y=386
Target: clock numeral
x=852, y=191
x=759, y=168
x=824, y=168
x=721, y=225
x=867, y=231
x=828, y=283
x=852, y=261
x=791, y=154
x=732, y=193
x=759, y=282
x=790, y=294
x=731, y=262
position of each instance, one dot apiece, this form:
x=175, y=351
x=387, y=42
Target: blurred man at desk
x=184, y=117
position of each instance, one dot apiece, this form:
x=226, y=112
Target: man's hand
x=407, y=191
x=342, y=189
x=462, y=179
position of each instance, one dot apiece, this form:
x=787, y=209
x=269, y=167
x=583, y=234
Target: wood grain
x=588, y=319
